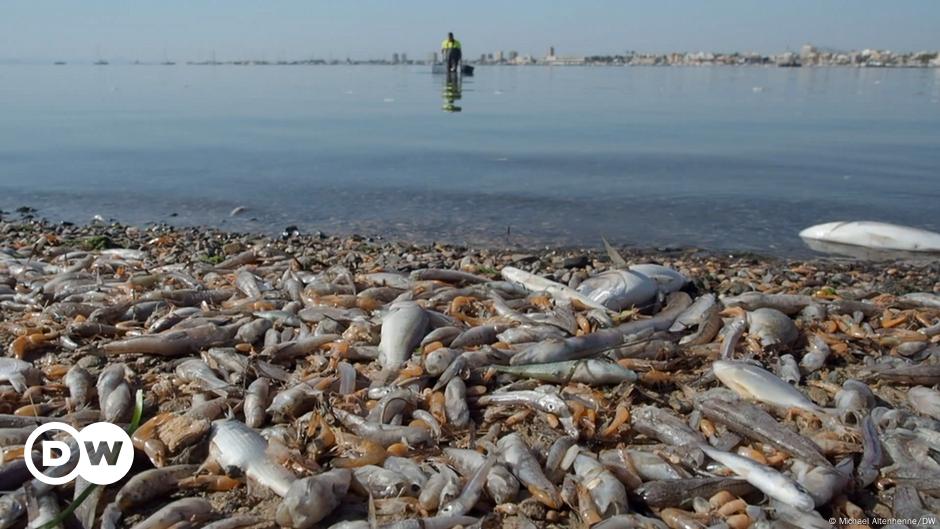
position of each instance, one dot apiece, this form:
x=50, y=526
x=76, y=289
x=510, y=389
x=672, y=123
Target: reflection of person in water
x=452, y=93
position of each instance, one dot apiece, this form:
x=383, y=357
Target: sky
x=39, y=30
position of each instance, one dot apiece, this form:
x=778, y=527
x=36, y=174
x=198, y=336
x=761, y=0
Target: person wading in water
x=450, y=49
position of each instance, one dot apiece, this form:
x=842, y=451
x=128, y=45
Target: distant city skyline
x=128, y=30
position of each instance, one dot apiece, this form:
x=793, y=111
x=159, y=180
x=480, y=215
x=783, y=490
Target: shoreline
x=210, y=245
x=191, y=316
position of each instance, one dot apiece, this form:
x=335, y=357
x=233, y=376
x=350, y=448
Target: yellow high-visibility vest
x=450, y=44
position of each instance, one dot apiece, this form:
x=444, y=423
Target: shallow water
x=721, y=158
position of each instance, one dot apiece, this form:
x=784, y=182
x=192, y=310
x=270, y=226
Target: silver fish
x=619, y=289
x=402, y=330
x=772, y=327
x=593, y=371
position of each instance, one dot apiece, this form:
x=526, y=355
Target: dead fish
x=445, y=335
x=515, y=453
x=543, y=401
x=501, y=485
x=679, y=492
x=81, y=386
x=703, y=315
x=732, y=335
x=442, y=487
x=479, y=335
x=619, y=289
x=872, y=454
x=19, y=374
x=914, y=374
x=925, y=400
x=667, y=279
x=175, y=343
x=816, y=354
x=293, y=401
x=471, y=492
x=191, y=510
x=383, y=434
x=301, y=347
x=789, y=304
x=752, y=382
x=438, y=360
x=772, y=327
x=253, y=331
x=598, y=341
x=312, y=499
x=248, y=284
x=151, y=484
x=921, y=299
x=455, y=403
x=754, y=423
x=232, y=444
x=536, y=283
x=402, y=330
x=590, y=371
x=606, y=490
x=665, y=426
x=787, y=369
x=378, y=482
x=854, y=395
x=256, y=402
x=763, y=478
x=114, y=395
x=196, y=372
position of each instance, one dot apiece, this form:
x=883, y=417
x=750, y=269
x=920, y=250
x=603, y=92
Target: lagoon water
x=719, y=158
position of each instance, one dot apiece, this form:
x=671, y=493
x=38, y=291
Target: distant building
x=404, y=58
x=498, y=56
x=551, y=54
x=432, y=57
x=788, y=59
x=809, y=54
x=513, y=55
x=394, y=58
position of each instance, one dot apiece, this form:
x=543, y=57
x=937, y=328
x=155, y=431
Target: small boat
x=59, y=63
x=440, y=68
x=101, y=63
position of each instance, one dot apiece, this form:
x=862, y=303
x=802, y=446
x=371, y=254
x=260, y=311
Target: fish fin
x=373, y=523
x=615, y=258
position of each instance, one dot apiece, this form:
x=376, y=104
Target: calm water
x=731, y=158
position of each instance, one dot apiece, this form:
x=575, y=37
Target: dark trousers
x=453, y=59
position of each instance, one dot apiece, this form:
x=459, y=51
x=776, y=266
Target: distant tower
x=394, y=58
x=404, y=58
x=551, y=51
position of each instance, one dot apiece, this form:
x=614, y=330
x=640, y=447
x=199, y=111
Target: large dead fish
x=402, y=330
x=619, y=289
x=871, y=234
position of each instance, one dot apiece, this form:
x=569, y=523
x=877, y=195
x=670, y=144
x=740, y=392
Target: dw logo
x=105, y=453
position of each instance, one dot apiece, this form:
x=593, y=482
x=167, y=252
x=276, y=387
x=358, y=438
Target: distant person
x=450, y=49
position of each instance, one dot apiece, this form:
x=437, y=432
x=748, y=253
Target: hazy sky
x=292, y=29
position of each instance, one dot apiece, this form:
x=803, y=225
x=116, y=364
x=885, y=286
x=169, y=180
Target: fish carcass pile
x=316, y=382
